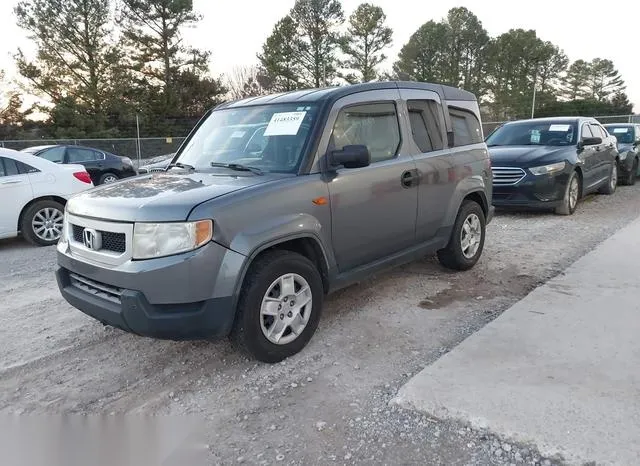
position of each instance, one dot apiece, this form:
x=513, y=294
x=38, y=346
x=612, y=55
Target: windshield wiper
x=182, y=165
x=238, y=167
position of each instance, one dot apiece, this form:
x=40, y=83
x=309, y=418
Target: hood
x=160, y=197
x=528, y=156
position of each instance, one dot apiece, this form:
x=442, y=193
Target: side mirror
x=356, y=156
x=591, y=141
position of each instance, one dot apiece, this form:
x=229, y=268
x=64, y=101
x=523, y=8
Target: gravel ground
x=330, y=402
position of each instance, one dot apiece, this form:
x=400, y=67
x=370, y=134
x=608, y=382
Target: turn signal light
x=83, y=176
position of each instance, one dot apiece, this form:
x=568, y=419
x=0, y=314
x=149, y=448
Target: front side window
x=534, y=133
x=586, y=131
x=373, y=125
x=55, y=154
x=272, y=138
x=426, y=124
x=598, y=131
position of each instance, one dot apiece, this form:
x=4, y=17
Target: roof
x=334, y=93
x=620, y=124
x=36, y=148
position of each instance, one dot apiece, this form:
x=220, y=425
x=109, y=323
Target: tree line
x=99, y=63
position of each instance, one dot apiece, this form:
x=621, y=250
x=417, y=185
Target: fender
x=469, y=185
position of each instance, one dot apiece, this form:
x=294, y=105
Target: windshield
x=624, y=134
x=270, y=138
x=534, y=133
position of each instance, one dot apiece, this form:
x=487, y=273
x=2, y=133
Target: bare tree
x=244, y=81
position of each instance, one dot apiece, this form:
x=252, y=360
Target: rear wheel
x=279, y=307
x=108, y=178
x=630, y=178
x=571, y=196
x=467, y=238
x=42, y=223
x=612, y=182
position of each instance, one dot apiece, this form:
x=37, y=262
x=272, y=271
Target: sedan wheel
x=42, y=223
x=108, y=178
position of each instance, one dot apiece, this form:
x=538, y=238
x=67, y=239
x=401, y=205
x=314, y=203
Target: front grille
x=101, y=290
x=114, y=242
x=507, y=176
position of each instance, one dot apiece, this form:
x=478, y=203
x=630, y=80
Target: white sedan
x=33, y=192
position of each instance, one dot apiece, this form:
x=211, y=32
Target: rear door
x=589, y=158
x=15, y=192
x=606, y=152
x=436, y=165
x=373, y=208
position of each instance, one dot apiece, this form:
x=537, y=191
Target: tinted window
x=466, y=127
x=586, y=132
x=24, y=168
x=55, y=154
x=426, y=124
x=2, y=172
x=10, y=167
x=77, y=155
x=373, y=125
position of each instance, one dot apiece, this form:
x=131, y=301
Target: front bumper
x=538, y=192
x=184, y=297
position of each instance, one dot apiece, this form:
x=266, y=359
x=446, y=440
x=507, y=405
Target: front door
x=15, y=192
x=373, y=208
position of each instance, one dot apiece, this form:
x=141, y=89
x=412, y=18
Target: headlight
x=548, y=169
x=152, y=240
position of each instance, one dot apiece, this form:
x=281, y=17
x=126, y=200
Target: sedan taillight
x=83, y=176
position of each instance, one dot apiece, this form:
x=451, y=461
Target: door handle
x=409, y=178
x=10, y=181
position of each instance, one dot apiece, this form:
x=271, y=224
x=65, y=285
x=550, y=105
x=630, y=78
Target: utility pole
x=138, y=148
x=533, y=103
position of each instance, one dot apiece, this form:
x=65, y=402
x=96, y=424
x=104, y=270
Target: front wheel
x=279, y=307
x=467, y=238
x=612, y=182
x=571, y=196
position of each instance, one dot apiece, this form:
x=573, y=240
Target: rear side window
x=77, y=155
x=426, y=124
x=466, y=127
x=10, y=167
x=24, y=168
x=373, y=125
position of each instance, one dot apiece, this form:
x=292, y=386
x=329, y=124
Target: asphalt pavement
x=559, y=369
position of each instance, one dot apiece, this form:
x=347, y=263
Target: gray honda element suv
x=273, y=202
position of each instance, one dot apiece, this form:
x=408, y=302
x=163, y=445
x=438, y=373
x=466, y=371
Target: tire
x=108, y=178
x=630, y=178
x=454, y=256
x=571, y=196
x=41, y=223
x=612, y=182
x=254, y=322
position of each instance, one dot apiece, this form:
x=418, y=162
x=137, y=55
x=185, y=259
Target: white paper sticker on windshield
x=620, y=130
x=562, y=128
x=285, y=124
x=238, y=134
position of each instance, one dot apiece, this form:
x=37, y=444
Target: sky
x=235, y=30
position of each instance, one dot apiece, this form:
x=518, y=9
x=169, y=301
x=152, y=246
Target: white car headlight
x=151, y=240
x=548, y=169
